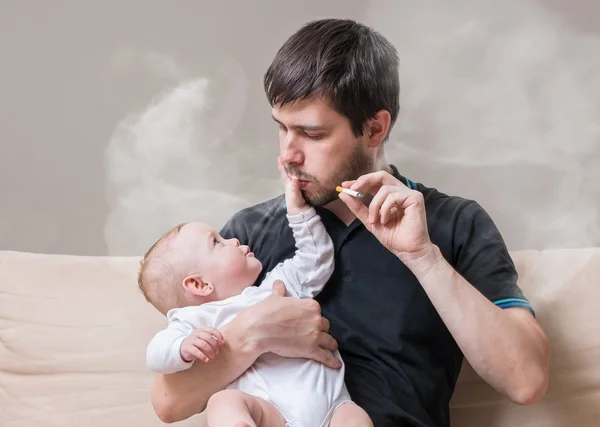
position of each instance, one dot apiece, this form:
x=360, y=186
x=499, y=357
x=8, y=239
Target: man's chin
x=320, y=199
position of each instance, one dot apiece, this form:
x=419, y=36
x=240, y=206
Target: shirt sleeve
x=163, y=354
x=307, y=272
x=482, y=258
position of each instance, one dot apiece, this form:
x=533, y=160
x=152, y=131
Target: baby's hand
x=293, y=197
x=202, y=343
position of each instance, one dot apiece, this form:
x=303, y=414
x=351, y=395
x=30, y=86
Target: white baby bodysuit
x=305, y=392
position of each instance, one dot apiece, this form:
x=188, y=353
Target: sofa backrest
x=73, y=332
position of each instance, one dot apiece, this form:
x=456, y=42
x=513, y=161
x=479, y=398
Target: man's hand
x=202, y=343
x=291, y=327
x=506, y=347
x=395, y=215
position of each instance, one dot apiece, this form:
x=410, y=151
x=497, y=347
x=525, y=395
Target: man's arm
x=506, y=347
x=289, y=327
x=180, y=395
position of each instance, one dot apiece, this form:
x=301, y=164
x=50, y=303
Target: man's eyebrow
x=303, y=127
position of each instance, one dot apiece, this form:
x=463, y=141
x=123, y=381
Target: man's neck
x=339, y=208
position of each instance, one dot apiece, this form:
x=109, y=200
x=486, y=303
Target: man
x=422, y=278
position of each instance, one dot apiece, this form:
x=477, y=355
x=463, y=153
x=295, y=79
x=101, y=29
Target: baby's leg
x=234, y=408
x=350, y=415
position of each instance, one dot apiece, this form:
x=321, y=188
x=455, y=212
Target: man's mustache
x=299, y=174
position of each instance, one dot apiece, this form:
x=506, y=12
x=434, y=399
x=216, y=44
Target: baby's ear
x=196, y=286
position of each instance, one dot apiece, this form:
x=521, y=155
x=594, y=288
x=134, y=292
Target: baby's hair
x=158, y=281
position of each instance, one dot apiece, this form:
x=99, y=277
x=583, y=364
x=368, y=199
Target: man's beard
x=356, y=164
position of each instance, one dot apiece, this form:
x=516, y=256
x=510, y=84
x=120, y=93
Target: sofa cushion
x=73, y=332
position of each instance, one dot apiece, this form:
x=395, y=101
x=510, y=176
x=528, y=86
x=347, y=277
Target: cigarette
x=350, y=192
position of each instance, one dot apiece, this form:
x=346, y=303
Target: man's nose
x=290, y=152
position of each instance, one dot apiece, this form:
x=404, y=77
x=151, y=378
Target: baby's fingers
x=295, y=184
x=215, y=333
x=208, y=347
x=207, y=340
x=198, y=354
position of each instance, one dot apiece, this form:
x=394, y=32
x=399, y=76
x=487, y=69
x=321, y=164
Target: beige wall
x=120, y=119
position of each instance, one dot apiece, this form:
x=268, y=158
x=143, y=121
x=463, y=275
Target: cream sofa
x=73, y=331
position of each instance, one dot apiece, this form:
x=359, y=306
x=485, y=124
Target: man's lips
x=302, y=184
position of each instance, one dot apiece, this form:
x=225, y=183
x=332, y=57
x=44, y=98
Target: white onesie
x=304, y=391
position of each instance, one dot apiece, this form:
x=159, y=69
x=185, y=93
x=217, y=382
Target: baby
x=201, y=282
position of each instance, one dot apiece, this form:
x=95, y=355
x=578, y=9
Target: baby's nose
x=234, y=242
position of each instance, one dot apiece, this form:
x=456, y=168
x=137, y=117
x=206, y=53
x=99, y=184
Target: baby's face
x=227, y=265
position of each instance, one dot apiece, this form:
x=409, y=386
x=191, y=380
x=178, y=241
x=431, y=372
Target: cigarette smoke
x=500, y=102
x=177, y=159
x=504, y=93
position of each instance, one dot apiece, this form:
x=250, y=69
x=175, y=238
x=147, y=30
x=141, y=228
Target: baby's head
x=192, y=264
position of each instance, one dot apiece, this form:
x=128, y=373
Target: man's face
x=317, y=145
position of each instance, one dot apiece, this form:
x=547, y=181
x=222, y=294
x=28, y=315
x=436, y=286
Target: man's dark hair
x=353, y=67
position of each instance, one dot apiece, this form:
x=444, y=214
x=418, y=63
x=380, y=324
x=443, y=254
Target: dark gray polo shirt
x=401, y=361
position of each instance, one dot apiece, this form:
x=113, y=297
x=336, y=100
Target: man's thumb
x=357, y=207
x=279, y=288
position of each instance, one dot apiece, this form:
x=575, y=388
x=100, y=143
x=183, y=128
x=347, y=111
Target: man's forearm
x=506, y=347
x=179, y=396
x=290, y=327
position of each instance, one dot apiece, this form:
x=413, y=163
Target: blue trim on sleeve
x=410, y=184
x=502, y=301
x=514, y=302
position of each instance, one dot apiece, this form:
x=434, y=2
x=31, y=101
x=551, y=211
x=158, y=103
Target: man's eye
x=315, y=137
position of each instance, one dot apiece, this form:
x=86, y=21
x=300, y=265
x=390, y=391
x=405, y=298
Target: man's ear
x=196, y=286
x=377, y=128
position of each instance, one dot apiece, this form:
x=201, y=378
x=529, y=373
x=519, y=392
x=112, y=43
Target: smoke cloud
x=500, y=102
x=177, y=159
x=507, y=89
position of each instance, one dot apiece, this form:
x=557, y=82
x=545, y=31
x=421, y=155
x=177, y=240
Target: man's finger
x=324, y=325
x=389, y=207
x=327, y=342
x=357, y=207
x=375, y=206
x=327, y=358
x=279, y=288
x=371, y=182
x=393, y=213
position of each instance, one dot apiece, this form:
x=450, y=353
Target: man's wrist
x=242, y=335
x=426, y=261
